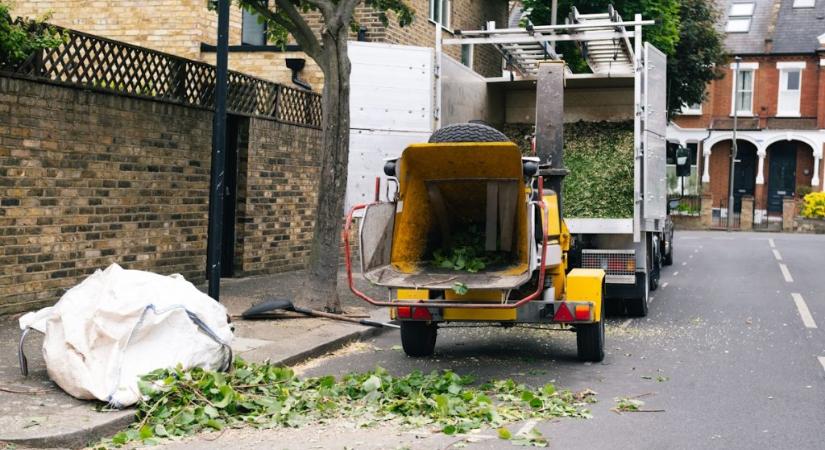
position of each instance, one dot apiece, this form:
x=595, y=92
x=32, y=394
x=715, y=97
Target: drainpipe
x=734, y=149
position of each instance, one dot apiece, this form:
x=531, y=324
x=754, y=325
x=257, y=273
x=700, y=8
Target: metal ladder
x=606, y=57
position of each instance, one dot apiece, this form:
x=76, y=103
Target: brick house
x=780, y=92
x=187, y=28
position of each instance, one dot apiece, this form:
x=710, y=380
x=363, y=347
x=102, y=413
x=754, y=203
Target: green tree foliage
x=685, y=31
x=19, y=40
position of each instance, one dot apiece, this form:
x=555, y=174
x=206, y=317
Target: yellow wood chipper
x=471, y=178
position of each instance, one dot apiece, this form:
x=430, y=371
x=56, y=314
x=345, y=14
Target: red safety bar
x=372, y=301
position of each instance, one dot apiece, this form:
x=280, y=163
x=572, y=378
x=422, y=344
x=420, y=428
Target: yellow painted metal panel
x=551, y=202
x=477, y=295
x=470, y=165
x=412, y=294
x=479, y=314
x=586, y=285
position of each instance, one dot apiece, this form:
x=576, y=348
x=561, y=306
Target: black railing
x=719, y=215
x=107, y=65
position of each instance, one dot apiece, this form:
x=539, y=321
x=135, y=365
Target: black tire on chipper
x=590, y=341
x=468, y=132
x=418, y=338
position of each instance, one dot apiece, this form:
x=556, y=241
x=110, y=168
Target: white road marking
x=772, y=244
x=804, y=312
x=822, y=361
x=777, y=255
x=785, y=273
x=675, y=273
x=664, y=285
x=625, y=323
x=650, y=300
x=695, y=250
x=684, y=263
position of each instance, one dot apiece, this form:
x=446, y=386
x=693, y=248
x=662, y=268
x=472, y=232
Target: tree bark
x=322, y=270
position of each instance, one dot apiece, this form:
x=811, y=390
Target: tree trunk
x=322, y=271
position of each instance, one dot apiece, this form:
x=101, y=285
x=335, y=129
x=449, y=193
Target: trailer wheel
x=468, y=132
x=590, y=341
x=418, y=338
x=655, y=264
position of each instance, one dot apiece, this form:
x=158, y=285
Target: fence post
x=746, y=215
x=706, y=210
x=788, y=213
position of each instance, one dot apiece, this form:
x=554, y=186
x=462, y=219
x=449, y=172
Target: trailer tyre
x=590, y=341
x=468, y=132
x=418, y=338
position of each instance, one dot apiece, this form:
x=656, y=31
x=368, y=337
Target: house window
x=253, y=29
x=682, y=185
x=692, y=110
x=739, y=18
x=743, y=89
x=804, y=3
x=440, y=12
x=467, y=55
x=790, y=87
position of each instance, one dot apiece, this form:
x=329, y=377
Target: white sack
x=120, y=324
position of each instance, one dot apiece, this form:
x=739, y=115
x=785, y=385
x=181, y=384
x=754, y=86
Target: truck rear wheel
x=590, y=341
x=637, y=307
x=418, y=338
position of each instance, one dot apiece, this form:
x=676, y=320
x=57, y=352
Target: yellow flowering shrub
x=814, y=207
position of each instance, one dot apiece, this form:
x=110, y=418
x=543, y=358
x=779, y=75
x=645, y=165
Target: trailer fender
x=587, y=285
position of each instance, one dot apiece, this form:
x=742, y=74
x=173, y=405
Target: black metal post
x=216, y=182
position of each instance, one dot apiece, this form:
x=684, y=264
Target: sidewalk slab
x=34, y=412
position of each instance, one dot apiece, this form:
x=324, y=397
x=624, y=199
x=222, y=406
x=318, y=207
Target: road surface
x=732, y=352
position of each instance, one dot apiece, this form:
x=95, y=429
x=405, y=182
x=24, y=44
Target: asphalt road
x=731, y=335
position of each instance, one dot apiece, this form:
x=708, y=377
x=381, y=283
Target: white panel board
x=655, y=129
x=391, y=87
x=600, y=226
x=367, y=151
x=464, y=94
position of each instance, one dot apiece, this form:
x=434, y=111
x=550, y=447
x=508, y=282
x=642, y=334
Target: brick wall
x=278, y=208
x=88, y=179
x=766, y=92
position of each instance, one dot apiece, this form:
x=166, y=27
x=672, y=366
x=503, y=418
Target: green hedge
x=599, y=156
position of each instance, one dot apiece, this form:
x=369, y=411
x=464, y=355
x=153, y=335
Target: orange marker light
x=582, y=312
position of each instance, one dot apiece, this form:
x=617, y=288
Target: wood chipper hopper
x=472, y=236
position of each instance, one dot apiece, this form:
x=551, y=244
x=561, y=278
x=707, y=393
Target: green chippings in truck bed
x=599, y=156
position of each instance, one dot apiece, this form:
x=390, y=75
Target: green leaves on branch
x=22, y=39
x=182, y=402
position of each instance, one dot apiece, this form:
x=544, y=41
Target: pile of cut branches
x=182, y=402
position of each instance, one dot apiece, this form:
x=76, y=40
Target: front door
x=744, y=173
x=782, y=174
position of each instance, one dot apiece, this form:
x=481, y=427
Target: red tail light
x=421, y=313
x=563, y=314
x=582, y=312
x=404, y=312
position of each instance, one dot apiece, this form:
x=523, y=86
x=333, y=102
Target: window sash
x=738, y=25
x=252, y=32
x=440, y=12
x=741, y=9
x=743, y=91
x=790, y=88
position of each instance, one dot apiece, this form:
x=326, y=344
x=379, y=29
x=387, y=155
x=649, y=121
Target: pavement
x=34, y=412
x=731, y=356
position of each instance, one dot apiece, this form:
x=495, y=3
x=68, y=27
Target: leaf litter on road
x=181, y=402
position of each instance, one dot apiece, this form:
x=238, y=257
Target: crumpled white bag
x=118, y=325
